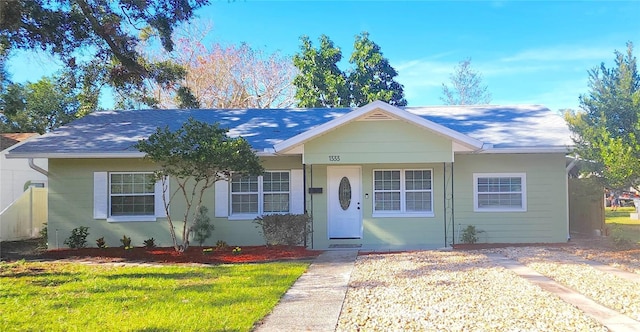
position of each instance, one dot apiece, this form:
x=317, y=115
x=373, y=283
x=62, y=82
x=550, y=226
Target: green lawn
x=75, y=297
x=620, y=224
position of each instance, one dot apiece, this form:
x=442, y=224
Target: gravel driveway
x=465, y=291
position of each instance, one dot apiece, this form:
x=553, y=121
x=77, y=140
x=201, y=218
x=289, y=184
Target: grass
x=39, y=296
x=621, y=225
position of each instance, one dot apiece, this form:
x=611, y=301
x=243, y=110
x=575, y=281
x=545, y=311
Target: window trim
x=130, y=218
x=251, y=216
x=403, y=201
x=523, y=191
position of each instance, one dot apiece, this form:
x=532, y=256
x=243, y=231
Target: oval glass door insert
x=344, y=193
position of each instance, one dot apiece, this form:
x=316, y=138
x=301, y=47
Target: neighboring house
x=16, y=176
x=377, y=177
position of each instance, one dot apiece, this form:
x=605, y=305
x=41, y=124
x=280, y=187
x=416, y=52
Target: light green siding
x=545, y=219
x=380, y=233
x=363, y=142
x=71, y=205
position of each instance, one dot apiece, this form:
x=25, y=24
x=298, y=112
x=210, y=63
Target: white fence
x=24, y=218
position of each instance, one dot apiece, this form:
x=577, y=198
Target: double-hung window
x=258, y=195
x=131, y=194
x=500, y=192
x=402, y=192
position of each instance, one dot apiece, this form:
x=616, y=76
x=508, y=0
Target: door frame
x=332, y=173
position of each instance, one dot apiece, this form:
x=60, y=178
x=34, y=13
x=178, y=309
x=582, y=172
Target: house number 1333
x=334, y=158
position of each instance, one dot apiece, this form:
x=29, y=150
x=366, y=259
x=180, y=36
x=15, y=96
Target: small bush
x=126, y=242
x=78, y=238
x=221, y=245
x=202, y=227
x=44, y=237
x=100, y=243
x=150, y=243
x=469, y=235
x=284, y=229
x=619, y=237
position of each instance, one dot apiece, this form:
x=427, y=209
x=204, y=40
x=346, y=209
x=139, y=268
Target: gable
x=376, y=140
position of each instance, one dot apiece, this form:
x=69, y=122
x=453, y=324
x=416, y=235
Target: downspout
x=444, y=201
x=37, y=168
x=304, y=195
x=453, y=209
x=571, y=165
x=311, y=199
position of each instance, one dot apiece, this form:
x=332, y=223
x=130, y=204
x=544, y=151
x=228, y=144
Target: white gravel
x=450, y=291
x=616, y=293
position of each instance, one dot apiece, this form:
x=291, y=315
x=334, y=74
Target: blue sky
x=534, y=52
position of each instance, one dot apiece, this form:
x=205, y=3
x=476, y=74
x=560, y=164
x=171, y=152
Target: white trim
x=296, y=192
x=393, y=214
x=540, y=149
x=522, y=176
x=403, y=196
x=221, y=196
x=131, y=218
x=100, y=195
x=285, y=146
x=76, y=155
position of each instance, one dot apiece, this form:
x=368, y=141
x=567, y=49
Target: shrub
x=620, y=238
x=284, y=229
x=44, y=237
x=469, y=235
x=100, y=243
x=150, y=243
x=78, y=238
x=126, y=242
x=202, y=227
x=221, y=245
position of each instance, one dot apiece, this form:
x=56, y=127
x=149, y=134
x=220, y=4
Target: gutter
x=37, y=168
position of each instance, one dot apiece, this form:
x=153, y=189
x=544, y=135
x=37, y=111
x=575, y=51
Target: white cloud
x=562, y=53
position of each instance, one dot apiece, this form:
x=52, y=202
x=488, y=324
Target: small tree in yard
x=195, y=156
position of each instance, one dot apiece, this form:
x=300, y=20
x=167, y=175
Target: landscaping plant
x=150, y=243
x=100, y=243
x=78, y=238
x=284, y=229
x=194, y=157
x=202, y=227
x=126, y=242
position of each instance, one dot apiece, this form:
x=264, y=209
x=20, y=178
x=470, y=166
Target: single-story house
x=373, y=177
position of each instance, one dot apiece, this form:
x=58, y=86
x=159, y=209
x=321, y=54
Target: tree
x=220, y=76
x=195, y=156
x=108, y=30
x=37, y=107
x=607, y=129
x=320, y=83
x=372, y=77
x=466, y=87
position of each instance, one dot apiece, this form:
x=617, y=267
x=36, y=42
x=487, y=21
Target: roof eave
x=65, y=155
x=527, y=149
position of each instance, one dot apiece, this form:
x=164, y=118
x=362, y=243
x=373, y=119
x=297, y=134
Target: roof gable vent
x=377, y=116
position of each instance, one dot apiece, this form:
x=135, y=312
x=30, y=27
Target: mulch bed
x=247, y=254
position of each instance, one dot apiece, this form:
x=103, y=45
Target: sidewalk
x=612, y=319
x=314, y=302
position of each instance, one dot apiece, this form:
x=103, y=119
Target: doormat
x=335, y=246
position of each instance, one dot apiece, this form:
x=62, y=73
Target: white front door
x=344, y=202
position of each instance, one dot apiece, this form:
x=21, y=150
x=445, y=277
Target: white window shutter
x=100, y=195
x=222, y=198
x=159, y=202
x=296, y=195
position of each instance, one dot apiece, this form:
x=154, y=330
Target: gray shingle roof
x=117, y=131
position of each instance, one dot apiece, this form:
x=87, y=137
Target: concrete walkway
x=314, y=301
x=612, y=319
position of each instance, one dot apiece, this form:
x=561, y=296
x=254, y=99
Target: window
x=257, y=195
x=131, y=194
x=402, y=192
x=500, y=192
